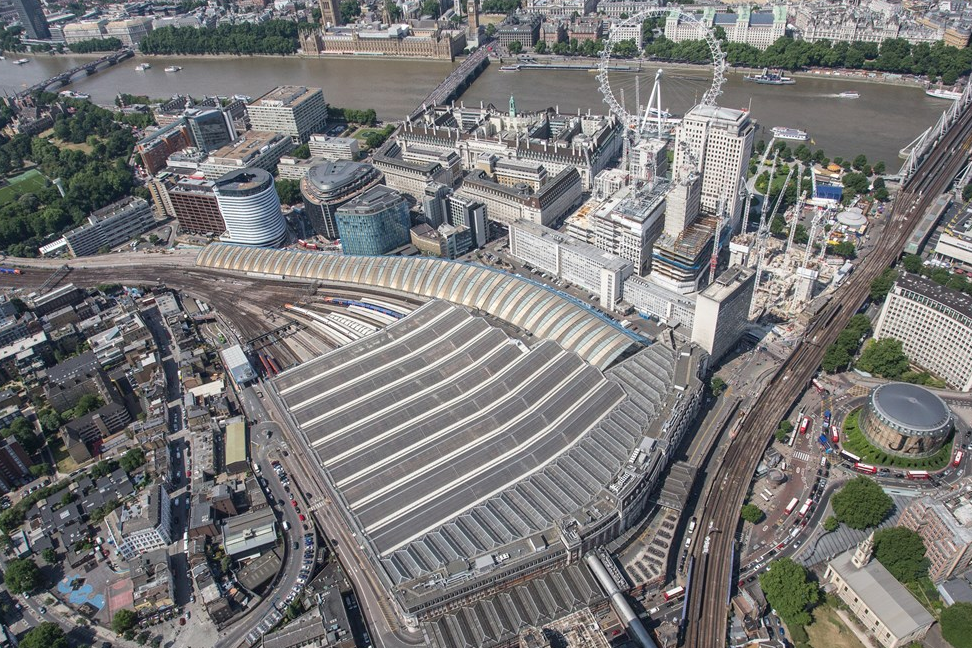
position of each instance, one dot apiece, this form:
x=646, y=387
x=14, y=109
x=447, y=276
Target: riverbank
x=582, y=63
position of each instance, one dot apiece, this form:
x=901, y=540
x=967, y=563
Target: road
x=263, y=449
x=712, y=572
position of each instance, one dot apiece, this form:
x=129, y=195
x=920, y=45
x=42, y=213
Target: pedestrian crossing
x=802, y=456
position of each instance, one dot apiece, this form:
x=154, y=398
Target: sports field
x=27, y=182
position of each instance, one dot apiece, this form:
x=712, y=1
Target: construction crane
x=763, y=233
x=796, y=213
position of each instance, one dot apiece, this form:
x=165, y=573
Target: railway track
x=712, y=582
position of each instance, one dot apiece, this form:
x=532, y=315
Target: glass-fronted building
x=374, y=223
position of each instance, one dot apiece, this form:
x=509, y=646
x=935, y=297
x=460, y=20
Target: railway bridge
x=89, y=68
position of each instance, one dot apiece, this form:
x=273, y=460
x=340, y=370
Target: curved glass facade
x=250, y=208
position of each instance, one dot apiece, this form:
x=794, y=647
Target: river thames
x=878, y=124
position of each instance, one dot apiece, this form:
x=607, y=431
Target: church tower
x=864, y=551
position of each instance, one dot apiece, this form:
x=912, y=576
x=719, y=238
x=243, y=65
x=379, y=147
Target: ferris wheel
x=651, y=119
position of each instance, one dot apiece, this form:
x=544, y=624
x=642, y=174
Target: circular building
x=329, y=185
x=250, y=207
x=852, y=217
x=906, y=420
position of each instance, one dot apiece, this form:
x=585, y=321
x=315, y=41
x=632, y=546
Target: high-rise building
x=329, y=185
x=250, y=207
x=211, y=128
x=374, y=223
x=627, y=224
x=333, y=148
x=330, y=13
x=934, y=325
x=722, y=311
x=195, y=206
x=720, y=141
x=32, y=17
x=296, y=111
x=683, y=202
x=466, y=211
x=435, y=204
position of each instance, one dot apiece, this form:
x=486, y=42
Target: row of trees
x=271, y=37
x=367, y=117
x=937, y=61
x=839, y=354
x=96, y=45
x=91, y=180
x=573, y=47
x=499, y=6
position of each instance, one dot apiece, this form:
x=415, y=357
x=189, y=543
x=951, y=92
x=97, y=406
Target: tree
x=882, y=284
x=490, y=30
x=902, y=552
x=49, y=556
x=884, y=358
x=789, y=591
x=879, y=168
x=289, y=191
x=752, y=513
x=836, y=358
x=967, y=193
x=515, y=47
x=859, y=162
x=830, y=524
x=45, y=635
x=123, y=621
x=718, y=385
x=132, y=459
x=86, y=404
x=843, y=249
x=861, y=504
x=955, y=621
x=540, y=47
x=350, y=9
x=154, y=239
x=302, y=152
x=41, y=469
x=22, y=575
x=913, y=262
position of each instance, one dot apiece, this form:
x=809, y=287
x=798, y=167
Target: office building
x=410, y=176
x=427, y=241
x=720, y=141
x=84, y=30
x=374, y=223
x=722, y=311
x=250, y=207
x=626, y=224
x=210, y=128
x=251, y=150
x=194, y=204
x=587, y=143
x=514, y=172
x=934, y=325
x=581, y=264
x=130, y=31
x=466, y=211
x=885, y=607
x=906, y=420
x=14, y=465
x=328, y=185
x=32, y=18
x=681, y=263
x=944, y=523
x=759, y=29
x=522, y=28
x=111, y=226
x=291, y=168
x=155, y=148
x=143, y=525
x=333, y=148
x=506, y=205
x=435, y=204
x=296, y=111
x=651, y=300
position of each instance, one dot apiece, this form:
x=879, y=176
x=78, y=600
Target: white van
x=286, y=525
